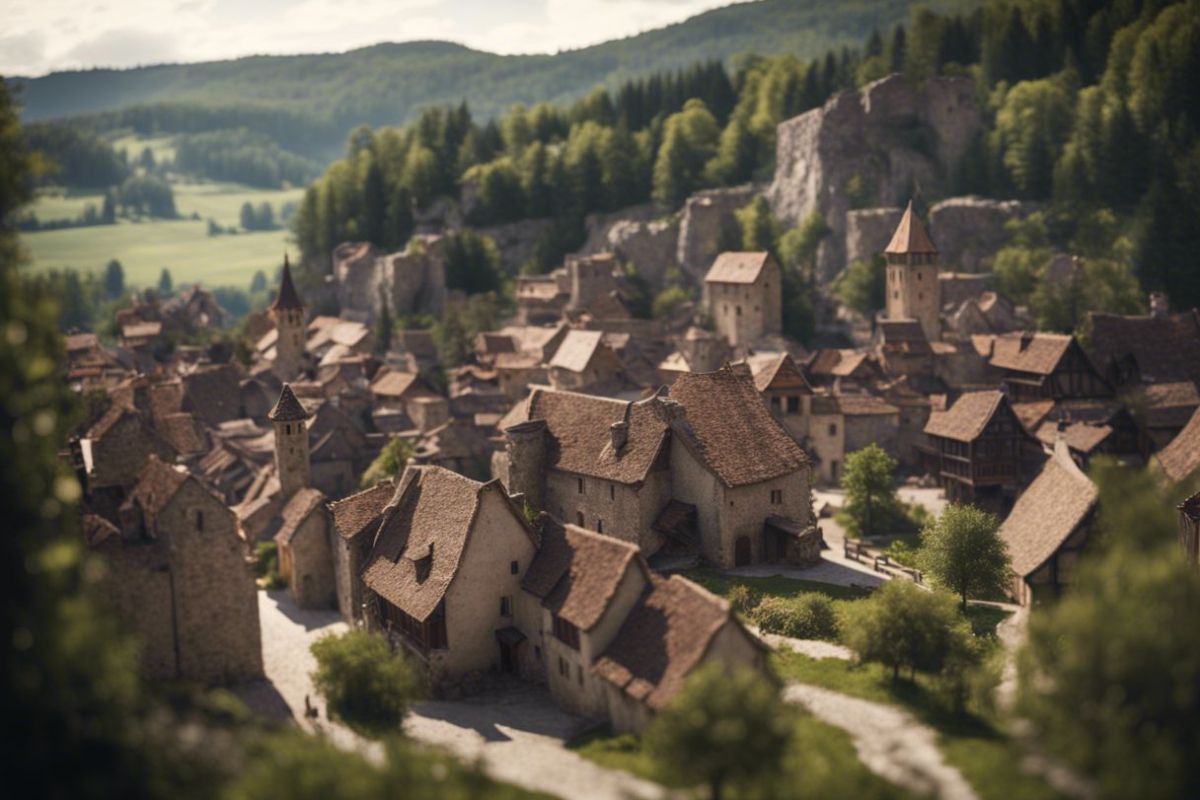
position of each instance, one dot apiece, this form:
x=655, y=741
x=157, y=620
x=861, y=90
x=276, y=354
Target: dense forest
x=1091, y=109
x=242, y=156
x=308, y=103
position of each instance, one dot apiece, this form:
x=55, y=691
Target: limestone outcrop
x=969, y=230
x=413, y=281
x=883, y=143
x=705, y=216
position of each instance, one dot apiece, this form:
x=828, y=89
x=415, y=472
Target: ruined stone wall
x=705, y=215
x=868, y=231
x=969, y=230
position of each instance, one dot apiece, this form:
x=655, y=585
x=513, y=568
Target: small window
x=599, y=525
x=579, y=669
x=612, y=492
x=514, y=567
x=918, y=276
x=199, y=520
x=896, y=295
x=506, y=606
x=564, y=669
x=287, y=428
x=537, y=652
x=833, y=429
x=774, y=403
x=739, y=311
x=579, y=519
x=777, y=497
x=793, y=405
x=580, y=485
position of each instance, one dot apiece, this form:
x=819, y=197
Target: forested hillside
x=1091, y=108
x=307, y=103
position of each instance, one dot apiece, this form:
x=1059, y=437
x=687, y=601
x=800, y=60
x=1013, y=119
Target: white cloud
x=47, y=35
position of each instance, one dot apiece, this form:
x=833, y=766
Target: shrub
x=266, y=566
x=808, y=616
x=366, y=685
x=743, y=599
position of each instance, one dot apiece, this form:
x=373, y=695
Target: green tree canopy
x=114, y=279
x=963, y=552
x=365, y=683
x=871, y=504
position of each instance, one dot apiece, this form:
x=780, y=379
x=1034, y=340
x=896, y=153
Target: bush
x=743, y=599
x=808, y=616
x=366, y=685
x=266, y=566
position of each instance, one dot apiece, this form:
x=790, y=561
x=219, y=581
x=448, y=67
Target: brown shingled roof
x=780, y=366
x=576, y=572
x=1047, y=513
x=737, y=267
x=157, y=484
x=1163, y=348
x=910, y=235
x=1037, y=353
x=577, y=350
x=967, y=418
x=664, y=638
x=287, y=408
x=1181, y=458
x=287, y=298
x=362, y=510
x=298, y=508
x=732, y=430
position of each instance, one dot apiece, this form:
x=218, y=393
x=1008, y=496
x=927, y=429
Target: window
x=581, y=486
x=506, y=606
x=793, y=406
x=199, y=520
x=896, y=295
x=739, y=311
x=564, y=669
x=426, y=636
x=920, y=295
x=612, y=492
x=777, y=497
x=566, y=633
x=579, y=519
x=537, y=652
x=288, y=428
x=599, y=525
x=579, y=668
x=833, y=468
x=514, y=567
x=774, y=403
x=833, y=429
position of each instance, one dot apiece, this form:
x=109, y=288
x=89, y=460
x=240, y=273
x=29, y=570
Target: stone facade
x=746, y=304
x=706, y=215
x=889, y=137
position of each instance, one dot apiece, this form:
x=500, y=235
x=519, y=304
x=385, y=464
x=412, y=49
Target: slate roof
x=287, y=298
x=1164, y=348
x=1037, y=353
x=157, y=484
x=297, y=509
x=392, y=383
x=967, y=418
x=1169, y=405
x=737, y=267
x=287, y=408
x=213, y=393
x=1082, y=437
x=579, y=437
x=910, y=235
x=1047, y=513
x=577, y=350
x=181, y=432
x=1181, y=458
x=731, y=429
x=664, y=638
x=361, y=510
x=576, y=572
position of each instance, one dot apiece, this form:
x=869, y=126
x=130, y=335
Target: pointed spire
x=288, y=298
x=288, y=408
x=910, y=235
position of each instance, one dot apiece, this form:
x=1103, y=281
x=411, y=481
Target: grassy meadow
x=183, y=245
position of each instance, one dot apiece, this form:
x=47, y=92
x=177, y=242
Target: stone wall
x=636, y=236
x=868, y=231
x=705, y=215
x=413, y=280
x=969, y=230
x=889, y=138
x=516, y=240
x=311, y=581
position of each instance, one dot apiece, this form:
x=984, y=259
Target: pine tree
x=114, y=279
x=374, y=202
x=165, y=284
x=108, y=214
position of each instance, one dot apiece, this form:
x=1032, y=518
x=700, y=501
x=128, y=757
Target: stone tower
x=288, y=314
x=913, y=291
x=527, y=461
x=291, y=443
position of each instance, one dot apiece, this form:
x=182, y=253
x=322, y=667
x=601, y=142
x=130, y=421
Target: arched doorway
x=741, y=552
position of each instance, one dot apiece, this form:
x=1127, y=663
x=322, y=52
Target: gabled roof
x=287, y=408
x=782, y=367
x=910, y=235
x=580, y=439
x=737, y=267
x=1169, y=404
x=361, y=511
x=1047, y=513
x=576, y=572
x=288, y=298
x=864, y=405
x=665, y=637
x=157, y=484
x=423, y=536
x=392, y=383
x=731, y=429
x=1037, y=353
x=967, y=418
x=577, y=350
x=1181, y=458
x=1163, y=348
x=298, y=508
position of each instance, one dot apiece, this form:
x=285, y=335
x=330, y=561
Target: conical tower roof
x=288, y=408
x=287, y=299
x=910, y=236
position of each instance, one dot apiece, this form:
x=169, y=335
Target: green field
x=183, y=246
x=163, y=147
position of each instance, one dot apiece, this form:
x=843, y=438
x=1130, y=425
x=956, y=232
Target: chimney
x=619, y=432
x=1159, y=307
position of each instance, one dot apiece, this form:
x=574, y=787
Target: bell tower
x=913, y=290
x=288, y=314
x=291, y=443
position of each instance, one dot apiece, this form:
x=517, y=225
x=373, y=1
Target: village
x=561, y=511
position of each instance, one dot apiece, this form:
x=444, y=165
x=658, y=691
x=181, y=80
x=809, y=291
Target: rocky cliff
x=879, y=145
x=969, y=230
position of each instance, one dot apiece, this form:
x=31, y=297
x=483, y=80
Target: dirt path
x=889, y=741
x=517, y=734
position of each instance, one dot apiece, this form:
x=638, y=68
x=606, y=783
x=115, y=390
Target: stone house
x=355, y=520
x=584, y=361
x=979, y=451
x=178, y=576
x=743, y=295
x=711, y=446
x=1048, y=528
x=443, y=574
x=114, y=449
x=1037, y=366
x=844, y=367
x=305, y=555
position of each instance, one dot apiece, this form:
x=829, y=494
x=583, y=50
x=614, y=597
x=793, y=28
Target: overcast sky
x=39, y=36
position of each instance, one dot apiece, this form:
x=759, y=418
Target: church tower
x=913, y=291
x=288, y=314
x=291, y=443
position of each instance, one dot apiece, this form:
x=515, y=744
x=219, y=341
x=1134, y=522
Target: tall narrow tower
x=913, y=291
x=288, y=314
x=291, y=442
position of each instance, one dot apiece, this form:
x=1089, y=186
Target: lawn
x=822, y=762
x=975, y=744
x=182, y=245
x=777, y=585
x=64, y=204
x=163, y=147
